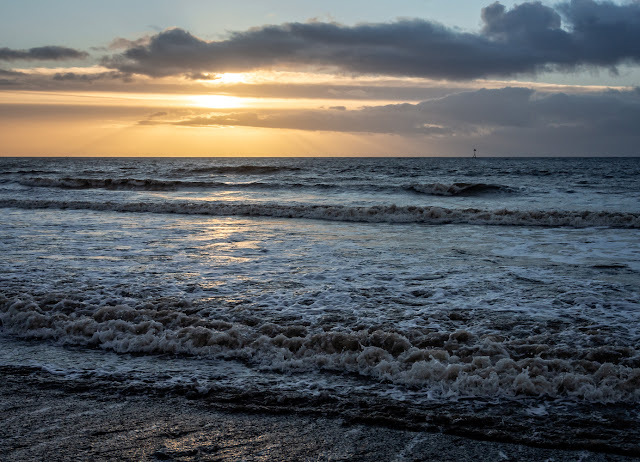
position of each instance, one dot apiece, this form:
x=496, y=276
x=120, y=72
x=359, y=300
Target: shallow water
x=525, y=319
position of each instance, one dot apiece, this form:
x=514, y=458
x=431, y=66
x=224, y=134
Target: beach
x=44, y=422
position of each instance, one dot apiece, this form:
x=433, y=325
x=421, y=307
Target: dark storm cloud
x=608, y=33
x=47, y=53
x=528, y=38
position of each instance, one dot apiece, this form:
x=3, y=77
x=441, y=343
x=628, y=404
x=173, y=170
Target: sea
x=497, y=298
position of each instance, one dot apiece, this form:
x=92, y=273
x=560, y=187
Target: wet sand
x=40, y=421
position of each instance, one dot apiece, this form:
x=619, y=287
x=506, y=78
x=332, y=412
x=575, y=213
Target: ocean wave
x=458, y=189
x=375, y=214
x=26, y=172
x=115, y=183
x=137, y=184
x=144, y=184
x=446, y=363
x=241, y=169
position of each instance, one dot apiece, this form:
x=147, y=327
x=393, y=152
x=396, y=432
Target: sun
x=231, y=77
x=216, y=101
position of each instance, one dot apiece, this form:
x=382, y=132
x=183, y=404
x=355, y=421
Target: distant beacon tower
x=474, y=153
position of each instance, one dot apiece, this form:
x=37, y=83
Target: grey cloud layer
x=528, y=38
x=47, y=53
x=75, y=77
x=551, y=120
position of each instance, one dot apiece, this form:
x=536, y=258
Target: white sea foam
x=446, y=363
x=374, y=214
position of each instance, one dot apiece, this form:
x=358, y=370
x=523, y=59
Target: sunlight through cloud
x=216, y=101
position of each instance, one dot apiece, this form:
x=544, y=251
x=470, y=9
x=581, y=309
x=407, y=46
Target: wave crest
x=375, y=214
x=459, y=189
x=136, y=184
x=115, y=183
x=445, y=363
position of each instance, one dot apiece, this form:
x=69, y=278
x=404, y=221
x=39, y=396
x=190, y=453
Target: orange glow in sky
x=321, y=85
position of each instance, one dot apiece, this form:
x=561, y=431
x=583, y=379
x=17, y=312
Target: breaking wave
x=374, y=214
x=458, y=189
x=445, y=363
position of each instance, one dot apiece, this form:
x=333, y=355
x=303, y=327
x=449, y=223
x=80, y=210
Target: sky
x=331, y=78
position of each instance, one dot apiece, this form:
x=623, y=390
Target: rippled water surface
x=432, y=292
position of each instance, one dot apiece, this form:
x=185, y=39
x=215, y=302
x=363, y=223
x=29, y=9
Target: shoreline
x=41, y=421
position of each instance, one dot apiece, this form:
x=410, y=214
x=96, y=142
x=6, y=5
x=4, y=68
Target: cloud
x=10, y=77
x=120, y=43
x=397, y=119
x=278, y=86
x=91, y=77
x=607, y=33
x=528, y=38
x=46, y=53
x=10, y=73
x=509, y=116
x=71, y=78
